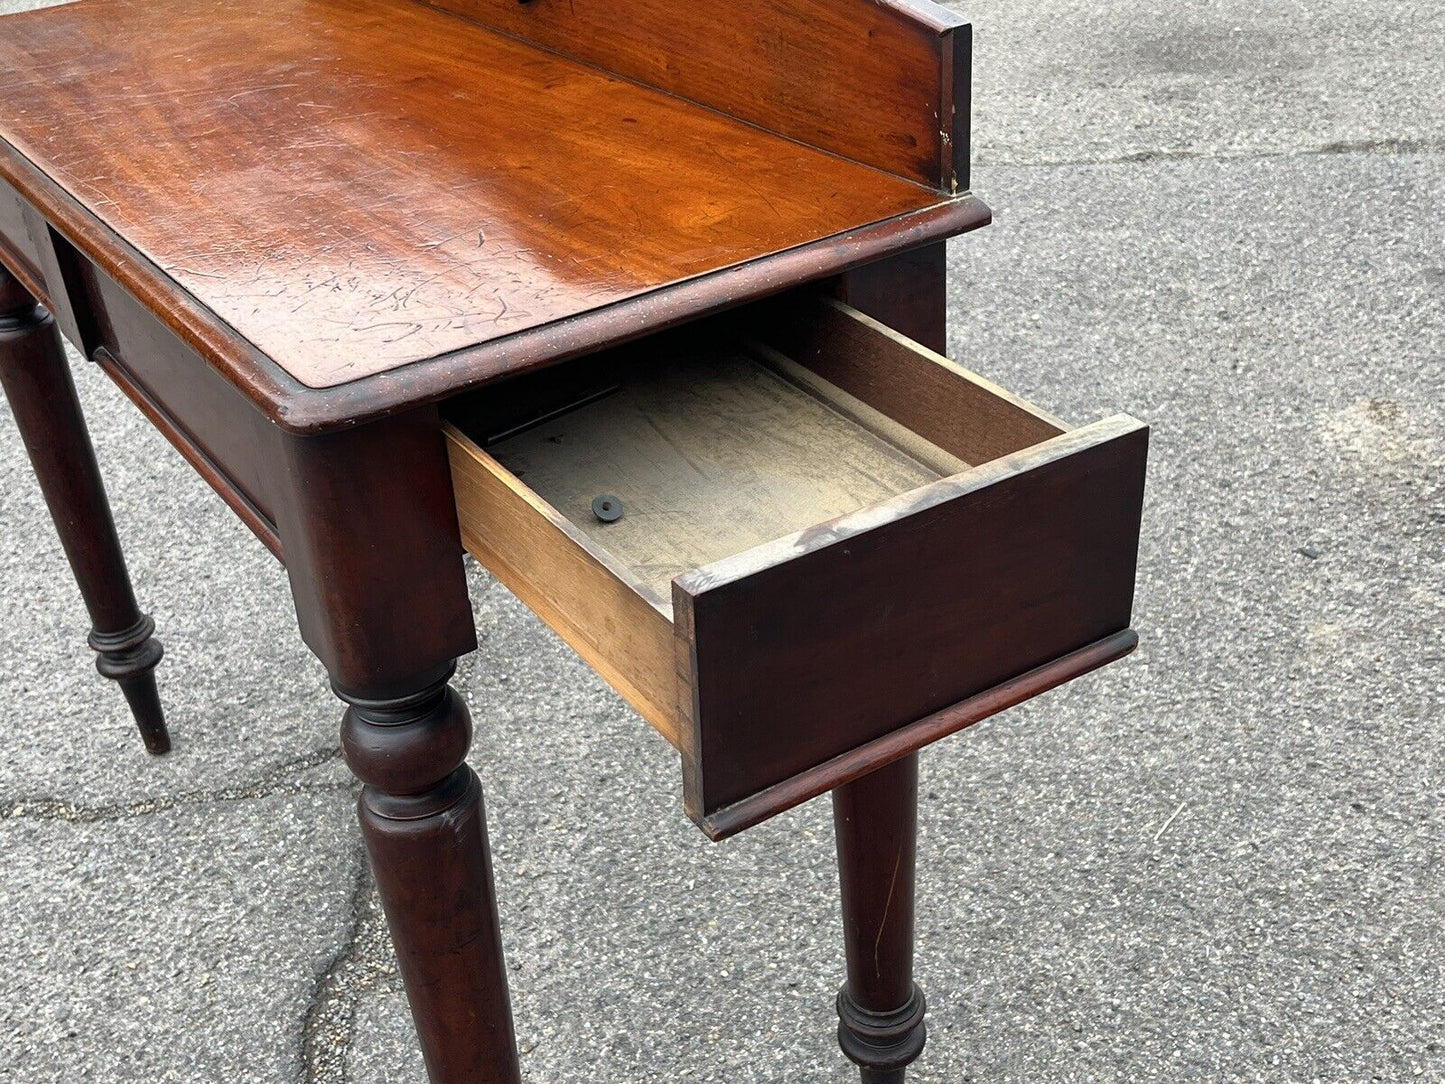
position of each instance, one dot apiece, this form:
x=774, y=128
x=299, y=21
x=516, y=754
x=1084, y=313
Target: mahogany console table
x=635, y=300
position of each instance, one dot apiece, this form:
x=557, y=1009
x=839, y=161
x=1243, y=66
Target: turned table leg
x=37, y=383
x=880, y=1009
x=368, y=524
x=425, y=829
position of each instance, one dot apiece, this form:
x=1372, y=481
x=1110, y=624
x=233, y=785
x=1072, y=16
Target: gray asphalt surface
x=1220, y=860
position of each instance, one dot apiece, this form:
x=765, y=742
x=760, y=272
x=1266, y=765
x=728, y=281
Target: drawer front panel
x=807, y=649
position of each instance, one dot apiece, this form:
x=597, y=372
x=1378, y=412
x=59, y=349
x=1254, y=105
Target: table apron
x=216, y=429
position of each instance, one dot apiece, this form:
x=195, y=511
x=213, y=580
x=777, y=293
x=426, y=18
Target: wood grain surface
x=835, y=603
x=357, y=185
x=40, y=395
x=17, y=252
x=709, y=453
x=883, y=82
x=614, y=622
x=971, y=417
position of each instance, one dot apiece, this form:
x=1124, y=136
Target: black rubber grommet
x=607, y=508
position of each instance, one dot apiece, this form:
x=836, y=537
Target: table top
x=351, y=187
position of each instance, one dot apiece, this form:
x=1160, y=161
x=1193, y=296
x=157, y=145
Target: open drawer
x=834, y=546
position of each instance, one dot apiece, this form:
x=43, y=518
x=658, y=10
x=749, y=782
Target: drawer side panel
x=530, y=549
x=939, y=400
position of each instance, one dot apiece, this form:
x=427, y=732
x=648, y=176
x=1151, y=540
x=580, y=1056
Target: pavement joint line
x=1386, y=147
x=284, y=779
x=362, y=964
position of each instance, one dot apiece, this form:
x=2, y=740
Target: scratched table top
x=356, y=185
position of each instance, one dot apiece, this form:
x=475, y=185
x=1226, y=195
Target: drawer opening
x=708, y=450
x=803, y=493
x=714, y=440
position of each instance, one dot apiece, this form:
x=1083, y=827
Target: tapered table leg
x=880, y=1009
x=368, y=523
x=37, y=383
x=875, y=818
x=425, y=828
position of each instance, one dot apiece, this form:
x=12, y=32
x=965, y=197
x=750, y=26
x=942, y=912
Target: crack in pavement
x=284, y=779
x=363, y=963
x=1360, y=146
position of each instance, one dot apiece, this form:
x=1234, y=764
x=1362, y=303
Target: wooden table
x=637, y=301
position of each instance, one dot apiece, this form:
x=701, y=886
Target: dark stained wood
x=875, y=816
x=216, y=428
x=871, y=80
x=369, y=527
x=959, y=70
x=58, y=266
x=290, y=229
x=880, y=1008
x=584, y=595
x=425, y=827
x=330, y=180
x=209, y=422
x=209, y=470
x=805, y=649
x=972, y=418
x=17, y=253
x=38, y=386
x=17, y=304
x=195, y=326
x=297, y=408
x=907, y=292
x=869, y=757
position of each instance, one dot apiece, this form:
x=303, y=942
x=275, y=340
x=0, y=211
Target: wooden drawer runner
x=834, y=547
